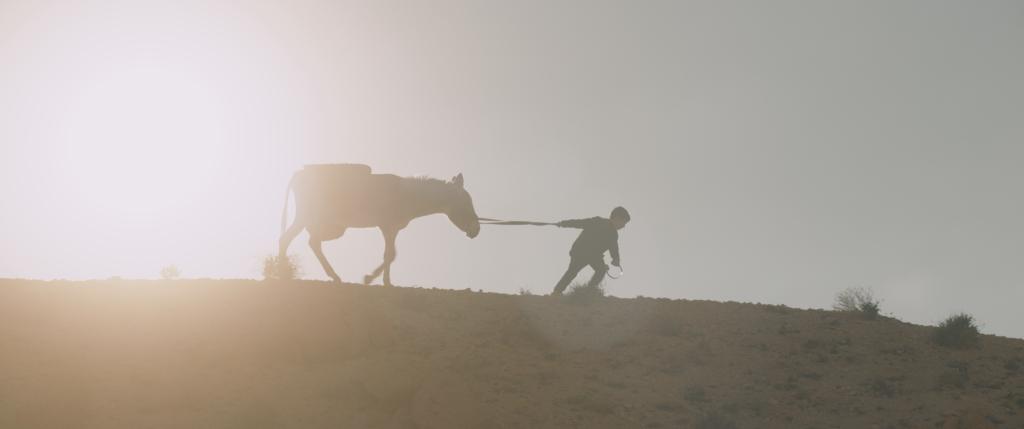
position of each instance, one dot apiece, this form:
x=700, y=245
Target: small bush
x=276, y=268
x=869, y=310
x=525, y=292
x=858, y=300
x=170, y=272
x=958, y=331
x=581, y=293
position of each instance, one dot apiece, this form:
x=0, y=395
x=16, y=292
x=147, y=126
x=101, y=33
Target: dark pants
x=576, y=263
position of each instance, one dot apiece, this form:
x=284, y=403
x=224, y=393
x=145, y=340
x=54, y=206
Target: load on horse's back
x=330, y=198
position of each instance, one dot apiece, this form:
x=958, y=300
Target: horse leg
x=389, y=256
x=286, y=239
x=390, y=253
x=316, y=244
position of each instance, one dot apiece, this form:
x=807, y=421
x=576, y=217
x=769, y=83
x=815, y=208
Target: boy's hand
x=616, y=263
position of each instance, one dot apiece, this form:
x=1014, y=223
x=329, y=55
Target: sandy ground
x=248, y=354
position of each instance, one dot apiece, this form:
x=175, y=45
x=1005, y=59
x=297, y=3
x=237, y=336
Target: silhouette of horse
x=330, y=198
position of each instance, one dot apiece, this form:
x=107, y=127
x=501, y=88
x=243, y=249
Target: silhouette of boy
x=598, y=236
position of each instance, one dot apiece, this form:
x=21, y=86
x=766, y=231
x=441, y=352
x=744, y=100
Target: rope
x=489, y=221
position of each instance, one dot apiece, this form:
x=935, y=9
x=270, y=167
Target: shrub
x=525, y=292
x=581, y=293
x=278, y=268
x=869, y=310
x=170, y=272
x=958, y=331
x=859, y=300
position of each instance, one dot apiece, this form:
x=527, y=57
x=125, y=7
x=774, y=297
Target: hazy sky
x=772, y=152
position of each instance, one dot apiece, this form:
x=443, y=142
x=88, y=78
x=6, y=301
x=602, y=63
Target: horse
x=330, y=198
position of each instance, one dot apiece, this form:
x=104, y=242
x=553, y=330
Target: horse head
x=460, y=208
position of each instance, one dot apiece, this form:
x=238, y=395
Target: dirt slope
x=247, y=354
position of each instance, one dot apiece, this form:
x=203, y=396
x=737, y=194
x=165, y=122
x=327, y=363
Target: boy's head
x=619, y=217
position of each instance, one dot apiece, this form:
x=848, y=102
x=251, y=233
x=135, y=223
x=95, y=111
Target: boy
x=599, y=235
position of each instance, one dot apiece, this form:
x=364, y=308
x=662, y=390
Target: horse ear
x=458, y=180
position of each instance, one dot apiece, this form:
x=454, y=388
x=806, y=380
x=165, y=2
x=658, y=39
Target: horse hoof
x=367, y=280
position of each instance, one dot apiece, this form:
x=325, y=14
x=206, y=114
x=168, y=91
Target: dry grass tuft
x=277, y=268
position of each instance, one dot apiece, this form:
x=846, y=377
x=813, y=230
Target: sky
x=775, y=152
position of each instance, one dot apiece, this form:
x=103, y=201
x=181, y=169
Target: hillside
x=249, y=354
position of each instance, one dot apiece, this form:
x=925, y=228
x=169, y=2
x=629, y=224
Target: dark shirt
x=598, y=236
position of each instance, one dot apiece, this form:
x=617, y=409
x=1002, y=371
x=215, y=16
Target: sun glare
x=141, y=140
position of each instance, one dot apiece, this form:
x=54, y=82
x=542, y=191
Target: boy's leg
x=575, y=265
x=600, y=268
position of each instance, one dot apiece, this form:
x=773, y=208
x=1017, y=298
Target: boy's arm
x=614, y=250
x=575, y=223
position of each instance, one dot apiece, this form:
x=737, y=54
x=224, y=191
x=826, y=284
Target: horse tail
x=284, y=211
